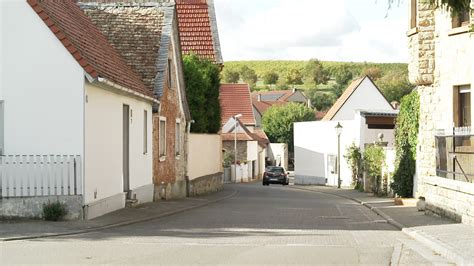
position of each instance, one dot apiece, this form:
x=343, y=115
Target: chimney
x=395, y=105
x=259, y=97
x=309, y=103
x=294, y=90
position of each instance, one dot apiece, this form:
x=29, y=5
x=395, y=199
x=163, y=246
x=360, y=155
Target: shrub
x=54, y=211
x=406, y=139
x=374, y=160
x=228, y=159
x=353, y=157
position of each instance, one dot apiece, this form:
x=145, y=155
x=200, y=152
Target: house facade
x=251, y=141
x=365, y=116
x=146, y=36
x=75, y=115
x=441, y=66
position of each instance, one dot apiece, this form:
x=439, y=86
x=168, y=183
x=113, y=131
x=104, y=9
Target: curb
x=389, y=219
x=120, y=224
x=437, y=246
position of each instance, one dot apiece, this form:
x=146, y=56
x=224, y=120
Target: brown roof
x=280, y=98
x=235, y=99
x=86, y=43
x=198, y=29
x=343, y=99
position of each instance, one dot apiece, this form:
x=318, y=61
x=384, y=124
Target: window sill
x=412, y=32
x=162, y=158
x=459, y=30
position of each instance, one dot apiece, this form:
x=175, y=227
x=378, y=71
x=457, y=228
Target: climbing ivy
x=406, y=139
x=353, y=158
x=374, y=161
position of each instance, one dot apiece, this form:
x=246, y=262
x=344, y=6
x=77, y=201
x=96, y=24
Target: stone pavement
x=30, y=229
x=452, y=240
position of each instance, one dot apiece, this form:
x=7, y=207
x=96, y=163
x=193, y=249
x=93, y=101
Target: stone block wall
x=228, y=146
x=206, y=184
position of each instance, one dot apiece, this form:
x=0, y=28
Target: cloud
x=303, y=29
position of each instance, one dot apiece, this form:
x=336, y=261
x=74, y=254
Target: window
x=178, y=138
x=462, y=19
x=145, y=132
x=413, y=14
x=162, y=141
x=170, y=73
x=462, y=106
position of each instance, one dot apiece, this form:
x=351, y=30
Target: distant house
x=263, y=100
x=198, y=29
x=441, y=64
x=77, y=117
x=252, y=141
x=364, y=114
x=146, y=36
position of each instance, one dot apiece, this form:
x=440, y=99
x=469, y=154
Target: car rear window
x=277, y=170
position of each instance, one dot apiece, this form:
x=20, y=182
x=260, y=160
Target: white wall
x=314, y=141
x=365, y=97
x=104, y=143
x=252, y=150
x=205, y=155
x=42, y=86
x=279, y=149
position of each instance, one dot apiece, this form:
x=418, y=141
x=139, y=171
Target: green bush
x=406, y=139
x=374, y=160
x=54, y=211
x=353, y=157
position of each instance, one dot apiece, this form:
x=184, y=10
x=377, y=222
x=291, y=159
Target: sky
x=330, y=30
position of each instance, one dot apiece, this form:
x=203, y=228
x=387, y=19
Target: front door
x=331, y=177
x=126, y=148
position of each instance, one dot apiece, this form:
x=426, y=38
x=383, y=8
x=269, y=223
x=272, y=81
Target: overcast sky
x=336, y=30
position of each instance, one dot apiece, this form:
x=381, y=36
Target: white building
x=65, y=91
x=363, y=112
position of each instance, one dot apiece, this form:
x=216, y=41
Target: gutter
x=128, y=91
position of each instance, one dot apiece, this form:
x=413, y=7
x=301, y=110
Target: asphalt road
x=274, y=225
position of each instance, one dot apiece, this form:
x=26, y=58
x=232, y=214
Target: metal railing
x=40, y=175
x=455, y=154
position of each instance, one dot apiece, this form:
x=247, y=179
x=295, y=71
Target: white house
x=363, y=112
x=71, y=100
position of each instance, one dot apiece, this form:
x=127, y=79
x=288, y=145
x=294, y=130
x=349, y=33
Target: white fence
x=40, y=175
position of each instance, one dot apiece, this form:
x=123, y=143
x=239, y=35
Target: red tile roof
x=86, y=43
x=280, y=96
x=195, y=29
x=235, y=99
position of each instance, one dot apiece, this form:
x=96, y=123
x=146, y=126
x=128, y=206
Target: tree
x=230, y=76
x=278, y=121
x=322, y=101
x=342, y=74
x=373, y=72
x=315, y=73
x=202, y=89
x=394, y=86
x=270, y=78
x=293, y=77
x=248, y=76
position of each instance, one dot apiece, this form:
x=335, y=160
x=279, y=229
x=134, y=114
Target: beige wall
x=205, y=155
x=103, y=143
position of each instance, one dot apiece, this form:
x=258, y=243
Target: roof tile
x=235, y=99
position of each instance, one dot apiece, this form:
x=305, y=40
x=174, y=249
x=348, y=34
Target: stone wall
x=441, y=59
x=206, y=184
x=32, y=207
x=228, y=146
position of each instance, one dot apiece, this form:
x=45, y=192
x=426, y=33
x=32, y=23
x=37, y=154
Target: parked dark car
x=275, y=175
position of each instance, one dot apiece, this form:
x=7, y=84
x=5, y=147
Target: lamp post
x=235, y=144
x=338, y=133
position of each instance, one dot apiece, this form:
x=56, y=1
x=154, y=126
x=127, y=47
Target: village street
x=259, y=225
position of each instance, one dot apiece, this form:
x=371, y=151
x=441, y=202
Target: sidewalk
x=452, y=240
x=29, y=229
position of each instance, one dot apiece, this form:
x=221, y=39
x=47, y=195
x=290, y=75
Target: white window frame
x=160, y=144
x=178, y=138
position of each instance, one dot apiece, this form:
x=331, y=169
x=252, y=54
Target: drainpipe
x=186, y=177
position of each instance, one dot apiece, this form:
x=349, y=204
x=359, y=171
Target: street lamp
x=338, y=133
x=235, y=144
